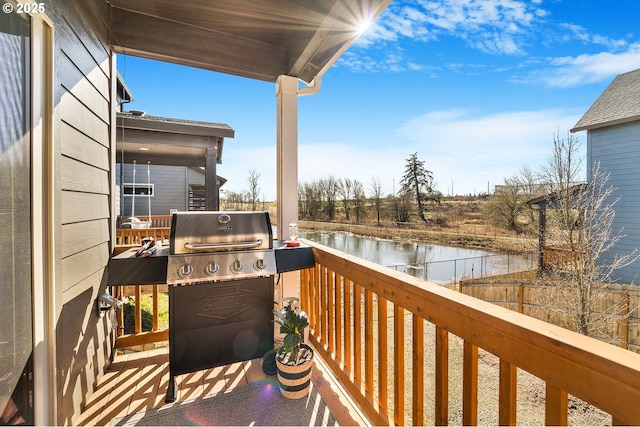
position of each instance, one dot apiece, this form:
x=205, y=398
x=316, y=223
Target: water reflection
x=436, y=263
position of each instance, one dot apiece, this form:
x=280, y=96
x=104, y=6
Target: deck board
x=138, y=382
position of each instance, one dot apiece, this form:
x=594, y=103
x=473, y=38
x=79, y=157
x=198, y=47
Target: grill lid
x=213, y=246
x=207, y=231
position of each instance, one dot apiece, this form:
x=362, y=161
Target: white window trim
x=151, y=187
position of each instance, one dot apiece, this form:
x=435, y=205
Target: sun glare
x=363, y=24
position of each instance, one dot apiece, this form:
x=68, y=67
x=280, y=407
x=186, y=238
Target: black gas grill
x=220, y=268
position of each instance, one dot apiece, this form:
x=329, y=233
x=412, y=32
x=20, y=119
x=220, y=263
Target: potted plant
x=294, y=359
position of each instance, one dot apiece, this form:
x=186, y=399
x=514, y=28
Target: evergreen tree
x=418, y=181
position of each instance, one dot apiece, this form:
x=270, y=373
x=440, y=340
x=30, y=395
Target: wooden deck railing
x=160, y=229
x=359, y=327
x=157, y=221
x=130, y=237
x=140, y=337
x=369, y=323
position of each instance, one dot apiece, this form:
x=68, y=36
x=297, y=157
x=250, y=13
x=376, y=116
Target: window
x=138, y=189
x=197, y=198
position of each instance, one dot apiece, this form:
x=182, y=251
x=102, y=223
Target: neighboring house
x=174, y=161
x=58, y=155
x=171, y=187
x=613, y=139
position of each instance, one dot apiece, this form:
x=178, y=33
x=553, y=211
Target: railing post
x=417, y=416
x=348, y=291
x=357, y=335
x=556, y=407
x=368, y=343
x=339, y=315
x=383, y=376
x=138, y=310
x=154, y=327
x=398, y=365
x=331, y=306
x=507, y=394
x=470, y=385
x=442, y=377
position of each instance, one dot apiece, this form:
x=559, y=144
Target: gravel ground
x=530, y=395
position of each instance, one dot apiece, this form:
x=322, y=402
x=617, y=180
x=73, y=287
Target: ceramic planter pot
x=295, y=379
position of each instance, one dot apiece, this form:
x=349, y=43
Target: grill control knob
x=260, y=264
x=185, y=270
x=211, y=268
x=237, y=266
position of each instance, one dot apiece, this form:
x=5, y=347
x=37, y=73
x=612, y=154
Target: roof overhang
x=553, y=200
x=258, y=39
x=600, y=125
x=168, y=141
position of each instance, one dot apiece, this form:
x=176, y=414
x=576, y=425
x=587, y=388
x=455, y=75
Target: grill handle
x=228, y=246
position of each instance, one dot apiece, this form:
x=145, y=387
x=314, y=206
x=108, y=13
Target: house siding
x=617, y=149
x=82, y=198
x=171, y=185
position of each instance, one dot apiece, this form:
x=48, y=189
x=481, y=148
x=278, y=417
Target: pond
x=435, y=263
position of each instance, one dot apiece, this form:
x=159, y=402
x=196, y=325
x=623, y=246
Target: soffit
x=259, y=39
x=168, y=141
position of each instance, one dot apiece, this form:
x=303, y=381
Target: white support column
x=287, y=153
x=287, y=172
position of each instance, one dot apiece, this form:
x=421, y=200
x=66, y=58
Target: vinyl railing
x=368, y=323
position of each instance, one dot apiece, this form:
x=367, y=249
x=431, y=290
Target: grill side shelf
x=293, y=258
x=127, y=269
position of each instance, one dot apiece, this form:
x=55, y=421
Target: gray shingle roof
x=619, y=103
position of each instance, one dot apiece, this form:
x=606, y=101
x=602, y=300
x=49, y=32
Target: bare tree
x=329, y=190
x=345, y=187
x=583, y=231
x=400, y=207
x=359, y=200
x=507, y=204
x=376, y=195
x=253, y=194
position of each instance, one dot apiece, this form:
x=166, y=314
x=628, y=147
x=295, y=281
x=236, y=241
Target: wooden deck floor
x=137, y=382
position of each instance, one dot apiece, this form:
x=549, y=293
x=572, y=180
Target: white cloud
x=585, y=69
x=462, y=148
x=486, y=24
x=473, y=151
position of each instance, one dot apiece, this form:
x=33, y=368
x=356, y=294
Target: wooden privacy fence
x=617, y=306
x=369, y=323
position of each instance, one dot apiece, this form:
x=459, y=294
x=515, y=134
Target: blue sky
x=476, y=87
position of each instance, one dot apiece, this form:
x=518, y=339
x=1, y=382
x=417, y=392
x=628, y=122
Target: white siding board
x=78, y=146
x=78, y=116
x=77, y=176
x=76, y=268
x=84, y=206
x=72, y=79
x=80, y=236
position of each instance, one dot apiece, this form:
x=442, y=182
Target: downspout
x=311, y=88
